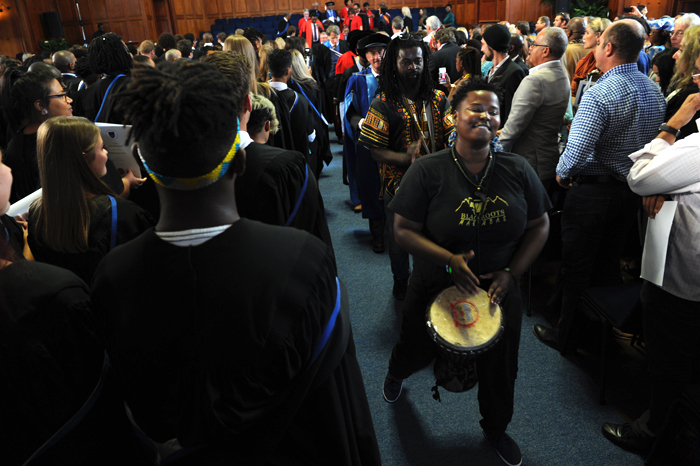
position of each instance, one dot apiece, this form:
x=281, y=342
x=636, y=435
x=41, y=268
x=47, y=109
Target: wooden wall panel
x=487, y=11
x=656, y=9
x=137, y=20
x=227, y=8
x=283, y=5
x=527, y=10
x=11, y=38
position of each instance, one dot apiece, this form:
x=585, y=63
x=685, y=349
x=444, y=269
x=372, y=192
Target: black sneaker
x=506, y=448
x=400, y=288
x=392, y=389
x=378, y=244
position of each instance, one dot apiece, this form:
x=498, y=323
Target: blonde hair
x=64, y=148
x=242, y=45
x=263, y=70
x=598, y=25
x=300, y=72
x=263, y=111
x=683, y=76
x=406, y=11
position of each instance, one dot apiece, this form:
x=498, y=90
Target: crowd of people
x=229, y=335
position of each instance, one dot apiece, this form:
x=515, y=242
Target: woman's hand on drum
x=464, y=278
x=501, y=284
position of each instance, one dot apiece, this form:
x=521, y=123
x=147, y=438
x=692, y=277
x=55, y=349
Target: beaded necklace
x=478, y=193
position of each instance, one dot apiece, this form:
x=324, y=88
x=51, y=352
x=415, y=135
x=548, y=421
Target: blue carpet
x=557, y=417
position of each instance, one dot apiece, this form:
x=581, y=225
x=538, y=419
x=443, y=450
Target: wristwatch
x=669, y=129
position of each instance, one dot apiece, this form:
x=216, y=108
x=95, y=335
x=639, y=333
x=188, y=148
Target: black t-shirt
x=434, y=192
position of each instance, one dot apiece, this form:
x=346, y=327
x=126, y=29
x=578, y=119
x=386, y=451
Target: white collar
x=534, y=69
x=277, y=85
x=496, y=67
x=69, y=74
x=245, y=139
x=376, y=75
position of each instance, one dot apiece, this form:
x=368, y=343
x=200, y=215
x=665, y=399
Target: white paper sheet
x=656, y=244
x=21, y=207
x=114, y=137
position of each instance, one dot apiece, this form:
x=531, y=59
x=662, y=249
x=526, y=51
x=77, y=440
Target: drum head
x=464, y=324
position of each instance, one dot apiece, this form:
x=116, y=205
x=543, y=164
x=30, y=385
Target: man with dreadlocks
x=233, y=344
x=408, y=119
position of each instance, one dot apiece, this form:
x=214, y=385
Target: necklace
x=478, y=194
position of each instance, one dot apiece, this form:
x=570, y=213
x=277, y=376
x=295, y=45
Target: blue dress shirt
x=618, y=115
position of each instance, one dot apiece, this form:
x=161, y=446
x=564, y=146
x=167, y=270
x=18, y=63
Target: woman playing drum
x=474, y=218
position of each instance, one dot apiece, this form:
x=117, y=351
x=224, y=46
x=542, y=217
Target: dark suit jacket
x=507, y=79
x=445, y=57
x=522, y=64
x=71, y=83
x=281, y=26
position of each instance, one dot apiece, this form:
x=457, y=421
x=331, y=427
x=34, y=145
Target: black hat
x=330, y=3
x=497, y=37
x=313, y=12
x=376, y=39
x=354, y=37
x=252, y=34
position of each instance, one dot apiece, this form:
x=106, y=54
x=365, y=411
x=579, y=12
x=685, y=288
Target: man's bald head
x=172, y=55
x=576, y=28
x=627, y=39
x=64, y=61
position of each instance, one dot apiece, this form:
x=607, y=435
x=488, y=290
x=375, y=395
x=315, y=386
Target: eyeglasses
x=539, y=45
x=59, y=96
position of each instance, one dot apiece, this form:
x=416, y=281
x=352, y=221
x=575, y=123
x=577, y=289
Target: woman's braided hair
x=108, y=55
x=183, y=115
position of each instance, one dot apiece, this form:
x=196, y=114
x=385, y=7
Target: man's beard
x=409, y=82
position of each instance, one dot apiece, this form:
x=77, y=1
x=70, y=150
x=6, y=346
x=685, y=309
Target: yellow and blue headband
x=189, y=184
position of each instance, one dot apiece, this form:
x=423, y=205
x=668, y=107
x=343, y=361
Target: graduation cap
x=330, y=4
x=355, y=36
x=376, y=39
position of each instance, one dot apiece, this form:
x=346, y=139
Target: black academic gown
x=320, y=146
x=278, y=188
x=301, y=122
x=50, y=361
x=214, y=344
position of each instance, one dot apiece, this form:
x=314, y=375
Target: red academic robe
x=308, y=33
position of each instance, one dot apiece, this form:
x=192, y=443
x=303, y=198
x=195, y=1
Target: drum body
x=463, y=326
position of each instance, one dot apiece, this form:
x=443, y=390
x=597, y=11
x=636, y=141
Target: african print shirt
x=388, y=125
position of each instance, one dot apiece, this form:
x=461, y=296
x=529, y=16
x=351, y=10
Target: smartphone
x=442, y=72
x=627, y=9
